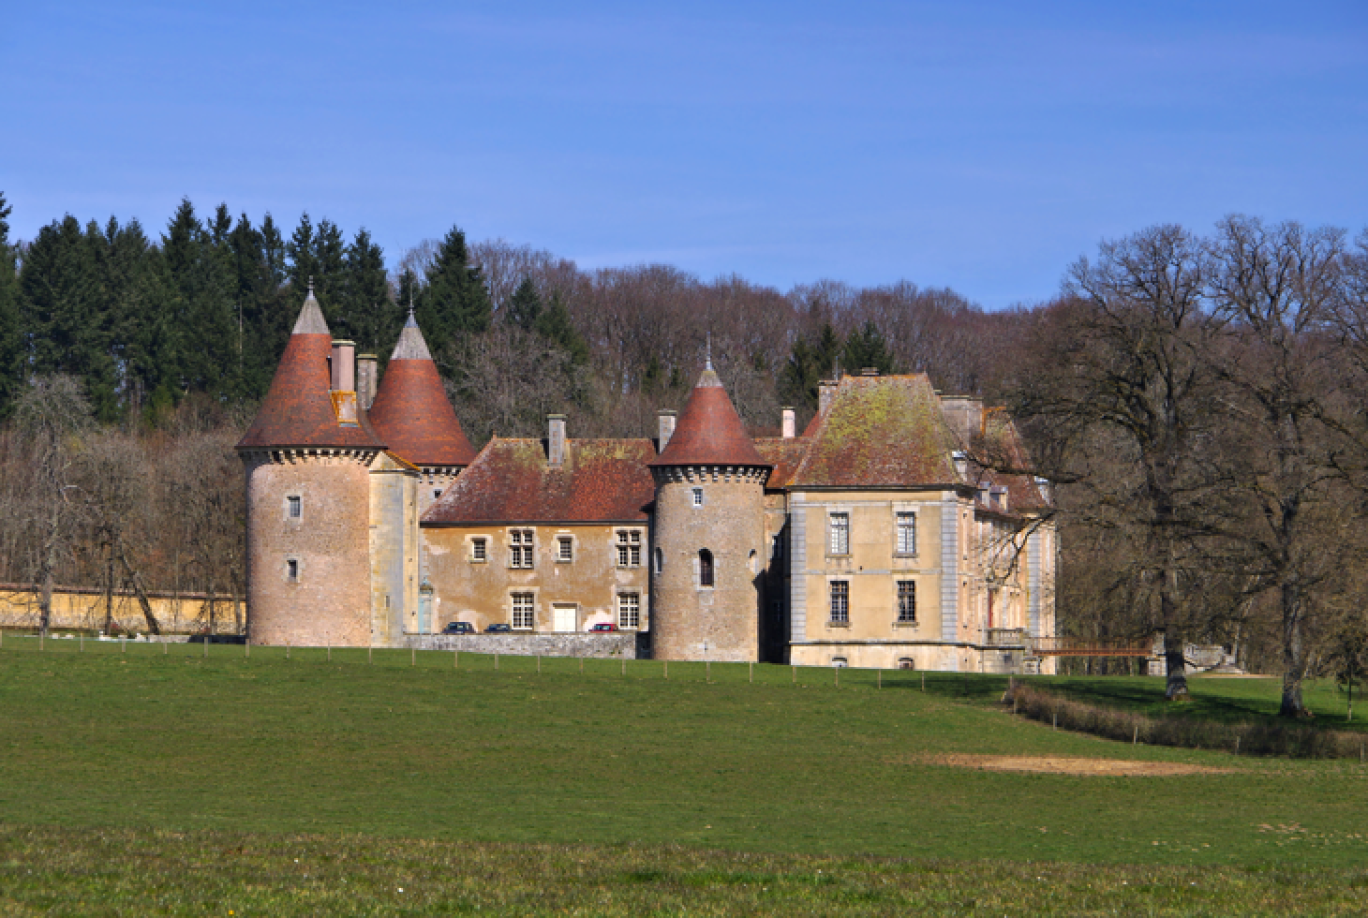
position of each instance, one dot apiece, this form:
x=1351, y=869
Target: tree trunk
x=109, y=585
x=45, y=603
x=135, y=579
x=1294, y=660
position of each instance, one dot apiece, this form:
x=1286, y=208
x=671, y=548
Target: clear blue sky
x=981, y=146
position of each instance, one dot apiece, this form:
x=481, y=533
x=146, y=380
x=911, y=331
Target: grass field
x=144, y=782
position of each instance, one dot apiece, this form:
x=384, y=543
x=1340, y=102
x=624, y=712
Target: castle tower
x=307, y=456
x=412, y=415
x=708, y=542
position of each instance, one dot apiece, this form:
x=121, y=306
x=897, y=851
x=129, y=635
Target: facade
x=880, y=536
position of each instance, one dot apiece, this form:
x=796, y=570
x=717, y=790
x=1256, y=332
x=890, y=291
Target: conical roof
x=709, y=431
x=411, y=412
x=298, y=409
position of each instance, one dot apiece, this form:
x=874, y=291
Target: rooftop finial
x=411, y=320
x=310, y=286
x=709, y=365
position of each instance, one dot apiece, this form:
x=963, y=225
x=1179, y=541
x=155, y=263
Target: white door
x=563, y=617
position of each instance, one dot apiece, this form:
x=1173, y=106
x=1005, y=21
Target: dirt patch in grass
x=1071, y=765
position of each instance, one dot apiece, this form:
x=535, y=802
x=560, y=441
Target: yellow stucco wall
x=480, y=592
x=86, y=611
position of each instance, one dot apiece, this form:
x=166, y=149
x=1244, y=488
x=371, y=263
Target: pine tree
x=138, y=297
x=554, y=325
x=12, y=370
x=203, y=339
x=810, y=363
x=365, y=312
x=454, y=304
x=524, y=307
x=867, y=348
x=66, y=312
x=264, y=319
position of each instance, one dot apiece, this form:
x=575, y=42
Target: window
x=659, y=561
x=294, y=506
x=906, y=663
x=840, y=602
x=520, y=548
x=907, y=533
x=436, y=493
x=698, y=497
x=292, y=570
x=629, y=610
x=705, y=568
x=522, y=611
x=629, y=548
x=907, y=602
x=565, y=548
x=479, y=550
x=840, y=533
x=839, y=662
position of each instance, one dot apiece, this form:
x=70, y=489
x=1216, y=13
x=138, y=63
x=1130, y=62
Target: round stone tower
x=307, y=457
x=708, y=539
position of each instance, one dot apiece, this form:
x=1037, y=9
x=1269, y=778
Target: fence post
x=1054, y=720
x=1135, y=736
x=413, y=655
x=82, y=642
x=838, y=675
x=247, y=649
x=793, y=673
x=667, y=668
x=707, y=670
x=496, y=661
x=163, y=645
x=538, y=662
x=329, y=642
x=624, y=666
x=751, y=674
x=923, y=682
x=880, y=678
x=370, y=656
x=581, y=659
x=287, y=650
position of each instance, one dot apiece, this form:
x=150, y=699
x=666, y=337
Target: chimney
x=869, y=371
x=367, y=370
x=790, y=424
x=826, y=391
x=555, y=439
x=665, y=424
x=344, y=366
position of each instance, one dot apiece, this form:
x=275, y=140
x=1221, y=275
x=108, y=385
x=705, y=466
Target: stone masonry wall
x=329, y=604
x=691, y=622
x=632, y=646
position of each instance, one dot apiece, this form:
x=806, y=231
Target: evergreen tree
x=264, y=320
x=867, y=348
x=365, y=312
x=555, y=326
x=524, y=307
x=66, y=313
x=810, y=363
x=138, y=298
x=12, y=370
x=204, y=334
x=454, y=304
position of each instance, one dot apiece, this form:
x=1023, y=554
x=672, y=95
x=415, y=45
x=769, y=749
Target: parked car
x=498, y=628
x=459, y=628
x=604, y=626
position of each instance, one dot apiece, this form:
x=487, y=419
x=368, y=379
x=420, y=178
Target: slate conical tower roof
x=709, y=431
x=298, y=410
x=411, y=412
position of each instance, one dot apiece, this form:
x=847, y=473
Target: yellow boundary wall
x=84, y=609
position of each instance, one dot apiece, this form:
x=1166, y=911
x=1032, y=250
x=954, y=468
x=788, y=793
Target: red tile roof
x=1000, y=449
x=784, y=455
x=879, y=431
x=709, y=431
x=600, y=481
x=298, y=409
x=411, y=411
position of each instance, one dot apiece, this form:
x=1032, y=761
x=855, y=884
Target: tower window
x=705, y=568
x=294, y=506
x=436, y=493
x=698, y=497
x=907, y=602
x=659, y=561
x=292, y=570
x=629, y=610
x=522, y=611
x=629, y=548
x=907, y=533
x=520, y=548
x=839, y=524
x=840, y=602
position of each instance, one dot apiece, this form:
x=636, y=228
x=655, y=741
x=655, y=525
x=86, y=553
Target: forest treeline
x=1196, y=399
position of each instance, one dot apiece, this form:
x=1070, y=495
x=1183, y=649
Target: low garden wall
x=616, y=645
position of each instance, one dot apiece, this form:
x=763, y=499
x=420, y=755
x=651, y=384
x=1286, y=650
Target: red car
x=604, y=626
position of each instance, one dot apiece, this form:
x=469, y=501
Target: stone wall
x=629, y=645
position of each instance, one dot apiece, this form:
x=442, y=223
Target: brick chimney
x=790, y=425
x=343, y=366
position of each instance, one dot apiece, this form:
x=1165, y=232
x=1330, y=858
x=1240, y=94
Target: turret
x=307, y=456
x=708, y=541
x=411, y=413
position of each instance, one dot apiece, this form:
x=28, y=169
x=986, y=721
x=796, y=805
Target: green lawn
x=206, y=765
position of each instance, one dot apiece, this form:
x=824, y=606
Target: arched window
x=705, y=568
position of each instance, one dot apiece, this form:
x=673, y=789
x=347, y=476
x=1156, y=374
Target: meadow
x=143, y=779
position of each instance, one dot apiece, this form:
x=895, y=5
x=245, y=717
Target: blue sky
x=981, y=146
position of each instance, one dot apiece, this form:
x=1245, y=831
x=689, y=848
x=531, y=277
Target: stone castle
x=877, y=537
